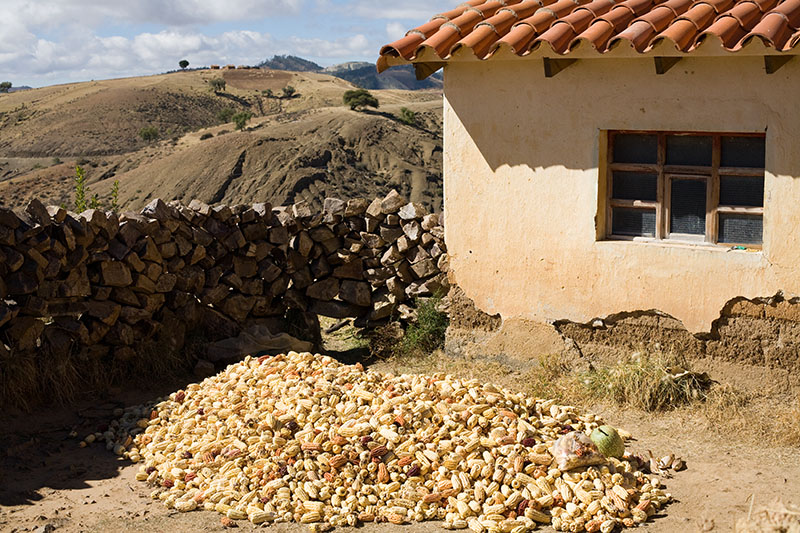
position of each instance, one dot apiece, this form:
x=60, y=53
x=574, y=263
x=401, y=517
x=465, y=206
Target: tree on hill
x=183, y=64
x=357, y=98
x=289, y=91
x=240, y=119
x=5, y=86
x=218, y=84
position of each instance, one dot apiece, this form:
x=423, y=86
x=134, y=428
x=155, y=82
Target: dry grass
x=777, y=518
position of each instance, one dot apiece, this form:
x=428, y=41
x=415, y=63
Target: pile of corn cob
x=301, y=437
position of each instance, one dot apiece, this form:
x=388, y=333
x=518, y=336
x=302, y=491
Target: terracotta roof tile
x=481, y=29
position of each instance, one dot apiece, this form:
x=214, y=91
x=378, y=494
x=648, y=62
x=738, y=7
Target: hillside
x=305, y=147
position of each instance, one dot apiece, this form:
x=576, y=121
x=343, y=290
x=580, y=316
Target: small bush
x=240, y=119
x=288, y=92
x=80, y=190
x=225, y=115
x=222, y=132
x=268, y=93
x=148, y=133
x=427, y=334
x=218, y=84
x=115, y=196
x=407, y=116
x=56, y=161
x=205, y=136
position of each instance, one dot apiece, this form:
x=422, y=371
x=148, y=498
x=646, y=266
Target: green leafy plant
x=183, y=64
x=288, y=92
x=80, y=189
x=225, y=115
x=240, y=119
x=427, y=333
x=407, y=116
x=218, y=84
x=94, y=202
x=149, y=133
x=115, y=196
x=5, y=86
x=359, y=98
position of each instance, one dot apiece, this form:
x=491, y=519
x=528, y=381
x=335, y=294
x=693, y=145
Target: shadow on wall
x=517, y=117
x=760, y=331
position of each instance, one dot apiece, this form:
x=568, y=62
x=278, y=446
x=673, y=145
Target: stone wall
x=94, y=287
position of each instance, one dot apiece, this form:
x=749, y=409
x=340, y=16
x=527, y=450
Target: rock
x=334, y=206
x=120, y=334
x=371, y=240
x=115, y=274
x=396, y=287
x=39, y=213
x=392, y=202
x=278, y=235
x=374, y=209
x=159, y=210
x=412, y=230
x=382, y=305
x=423, y=269
x=57, y=214
x=302, y=210
x=200, y=207
x=324, y=290
x=237, y=306
x=20, y=283
x=321, y=234
x=352, y=270
x=417, y=254
x=391, y=256
x=222, y=213
x=412, y=211
x=430, y=221
x=355, y=207
x=443, y=263
x=390, y=234
x=8, y=218
x=355, y=292
x=372, y=224
x=245, y=267
x=302, y=243
x=106, y=311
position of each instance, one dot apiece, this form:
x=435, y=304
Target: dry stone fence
x=88, y=290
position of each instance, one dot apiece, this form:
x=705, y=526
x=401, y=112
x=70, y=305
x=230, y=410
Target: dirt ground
x=49, y=483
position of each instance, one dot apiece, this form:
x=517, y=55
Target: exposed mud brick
x=352, y=270
x=335, y=309
x=747, y=327
x=24, y=332
x=106, y=311
x=389, y=233
x=392, y=202
x=783, y=310
x=115, y=274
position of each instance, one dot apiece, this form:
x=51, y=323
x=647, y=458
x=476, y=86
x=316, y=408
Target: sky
x=46, y=42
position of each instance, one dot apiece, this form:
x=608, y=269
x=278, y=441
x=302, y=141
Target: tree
x=288, y=91
x=183, y=64
x=218, y=84
x=5, y=86
x=359, y=98
x=241, y=118
x=149, y=133
x=225, y=115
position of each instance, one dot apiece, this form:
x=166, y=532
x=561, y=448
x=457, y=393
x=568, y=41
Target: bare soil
x=48, y=480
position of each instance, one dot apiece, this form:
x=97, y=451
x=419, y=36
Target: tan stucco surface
x=522, y=185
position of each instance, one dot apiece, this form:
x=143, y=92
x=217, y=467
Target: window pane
x=743, y=152
x=738, y=190
x=635, y=148
x=688, y=209
x=641, y=222
x=740, y=229
x=692, y=150
x=635, y=186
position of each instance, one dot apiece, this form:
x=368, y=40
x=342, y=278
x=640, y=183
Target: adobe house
x=606, y=157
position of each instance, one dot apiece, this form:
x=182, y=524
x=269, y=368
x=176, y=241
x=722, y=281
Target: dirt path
x=47, y=480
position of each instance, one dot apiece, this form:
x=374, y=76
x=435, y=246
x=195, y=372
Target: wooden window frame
x=665, y=173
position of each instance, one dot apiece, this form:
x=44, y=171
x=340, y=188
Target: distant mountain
x=402, y=77
x=22, y=88
x=293, y=63
x=360, y=73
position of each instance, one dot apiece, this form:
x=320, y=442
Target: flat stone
x=390, y=234
x=355, y=292
x=430, y=221
x=302, y=210
x=302, y=243
x=334, y=206
x=115, y=274
x=424, y=269
x=412, y=211
x=325, y=289
x=392, y=202
x=355, y=207
x=352, y=270
x=374, y=209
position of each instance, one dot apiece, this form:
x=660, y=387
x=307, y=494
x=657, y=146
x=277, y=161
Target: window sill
x=673, y=243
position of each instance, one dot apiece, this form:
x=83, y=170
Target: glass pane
x=739, y=190
x=635, y=148
x=635, y=186
x=688, y=210
x=740, y=229
x=743, y=152
x=692, y=150
x=640, y=222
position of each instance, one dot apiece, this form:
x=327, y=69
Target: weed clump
x=427, y=333
x=654, y=381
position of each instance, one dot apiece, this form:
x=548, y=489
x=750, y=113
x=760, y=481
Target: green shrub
x=205, y=136
x=149, y=133
x=407, y=116
x=359, y=98
x=288, y=92
x=225, y=115
x=218, y=84
x=240, y=119
x=80, y=189
x=427, y=334
x=115, y=196
x=5, y=86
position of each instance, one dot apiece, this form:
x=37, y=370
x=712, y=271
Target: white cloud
x=396, y=30
x=417, y=11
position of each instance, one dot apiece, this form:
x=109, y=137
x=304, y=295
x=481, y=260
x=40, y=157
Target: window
x=689, y=187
